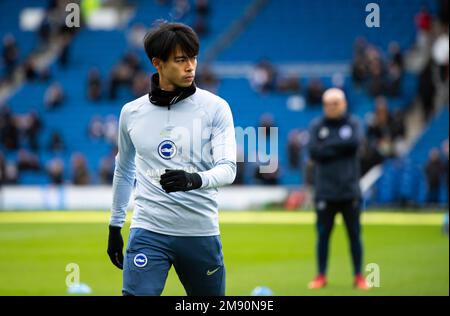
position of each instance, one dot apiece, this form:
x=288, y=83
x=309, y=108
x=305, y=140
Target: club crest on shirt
x=167, y=149
x=345, y=132
x=324, y=132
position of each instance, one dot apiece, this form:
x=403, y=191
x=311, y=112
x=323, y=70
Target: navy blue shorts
x=198, y=262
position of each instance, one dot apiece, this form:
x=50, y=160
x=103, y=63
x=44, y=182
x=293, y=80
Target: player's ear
x=156, y=63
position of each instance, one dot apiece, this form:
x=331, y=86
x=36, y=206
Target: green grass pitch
x=274, y=249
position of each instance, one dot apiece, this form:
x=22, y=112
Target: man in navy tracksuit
x=334, y=143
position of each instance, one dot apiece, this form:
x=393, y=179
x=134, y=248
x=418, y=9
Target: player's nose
x=190, y=68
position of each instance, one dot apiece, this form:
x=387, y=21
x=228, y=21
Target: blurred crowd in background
x=378, y=73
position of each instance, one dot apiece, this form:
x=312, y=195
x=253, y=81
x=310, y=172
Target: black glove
x=115, y=246
x=180, y=180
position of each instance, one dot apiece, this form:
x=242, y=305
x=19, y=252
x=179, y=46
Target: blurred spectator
x=263, y=77
x=359, y=47
x=56, y=143
x=445, y=161
x=315, y=91
x=424, y=20
x=27, y=161
x=202, y=8
x=433, y=170
x=396, y=55
x=9, y=133
x=443, y=12
x=424, y=23
x=372, y=72
x=376, y=72
x=10, y=55
x=266, y=121
x=201, y=18
x=94, y=85
x=104, y=129
x=240, y=167
x=66, y=39
x=132, y=60
x=136, y=35
x=11, y=173
x=180, y=9
x=207, y=79
x=31, y=71
x=398, y=128
x=80, y=171
x=110, y=129
x=54, y=96
x=106, y=171
x=379, y=126
x=55, y=171
x=427, y=90
x=267, y=178
x=385, y=147
x=200, y=26
x=386, y=131
x=44, y=32
x=393, y=82
x=52, y=5
x=359, y=66
x=359, y=71
x=123, y=73
x=240, y=173
x=2, y=169
x=29, y=68
x=30, y=126
x=141, y=84
x=96, y=128
x=440, y=54
x=33, y=130
x=294, y=149
x=290, y=84
x=370, y=156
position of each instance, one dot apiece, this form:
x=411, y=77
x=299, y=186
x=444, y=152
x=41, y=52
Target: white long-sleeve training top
x=196, y=135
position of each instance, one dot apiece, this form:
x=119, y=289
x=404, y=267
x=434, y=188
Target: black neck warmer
x=167, y=98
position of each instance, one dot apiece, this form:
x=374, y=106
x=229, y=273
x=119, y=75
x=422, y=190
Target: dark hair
x=163, y=39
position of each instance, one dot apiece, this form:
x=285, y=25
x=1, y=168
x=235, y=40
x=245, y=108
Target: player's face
x=177, y=71
x=334, y=108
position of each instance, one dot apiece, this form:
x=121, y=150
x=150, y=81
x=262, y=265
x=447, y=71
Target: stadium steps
x=315, y=31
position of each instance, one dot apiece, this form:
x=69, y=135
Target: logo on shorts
x=211, y=272
x=167, y=149
x=140, y=260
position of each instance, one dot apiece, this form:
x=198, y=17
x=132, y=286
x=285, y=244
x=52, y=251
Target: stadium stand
x=295, y=35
